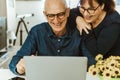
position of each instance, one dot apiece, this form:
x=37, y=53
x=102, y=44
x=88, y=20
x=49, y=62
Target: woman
x=104, y=37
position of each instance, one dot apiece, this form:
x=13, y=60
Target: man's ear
x=44, y=13
x=68, y=12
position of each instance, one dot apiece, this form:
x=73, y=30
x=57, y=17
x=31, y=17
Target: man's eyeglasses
x=89, y=10
x=60, y=15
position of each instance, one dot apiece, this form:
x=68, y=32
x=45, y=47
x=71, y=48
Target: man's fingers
x=20, y=67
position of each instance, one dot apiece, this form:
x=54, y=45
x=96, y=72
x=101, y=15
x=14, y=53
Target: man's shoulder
x=40, y=26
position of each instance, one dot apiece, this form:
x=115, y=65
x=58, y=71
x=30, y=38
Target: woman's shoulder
x=110, y=19
x=113, y=17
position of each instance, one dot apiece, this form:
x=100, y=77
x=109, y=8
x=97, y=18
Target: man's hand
x=82, y=25
x=20, y=67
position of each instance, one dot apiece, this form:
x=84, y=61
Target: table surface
x=6, y=74
x=6, y=58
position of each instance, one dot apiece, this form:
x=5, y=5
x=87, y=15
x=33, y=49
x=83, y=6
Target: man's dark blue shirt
x=41, y=41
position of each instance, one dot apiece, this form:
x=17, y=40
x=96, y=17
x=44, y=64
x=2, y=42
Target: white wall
x=11, y=15
x=117, y=5
x=118, y=9
x=7, y=9
x=29, y=7
x=3, y=8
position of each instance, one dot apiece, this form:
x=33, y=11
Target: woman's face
x=91, y=13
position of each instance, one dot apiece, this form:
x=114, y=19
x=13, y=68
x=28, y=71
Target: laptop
x=55, y=68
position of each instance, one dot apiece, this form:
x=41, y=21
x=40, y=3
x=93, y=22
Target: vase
x=104, y=78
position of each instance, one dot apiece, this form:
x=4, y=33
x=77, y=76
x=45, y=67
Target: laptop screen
x=55, y=68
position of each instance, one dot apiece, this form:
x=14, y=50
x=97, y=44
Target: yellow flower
x=91, y=68
x=100, y=62
x=111, y=63
x=116, y=72
x=99, y=57
x=108, y=68
x=94, y=71
x=119, y=73
x=102, y=68
x=107, y=74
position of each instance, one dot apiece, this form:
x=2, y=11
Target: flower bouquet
x=106, y=69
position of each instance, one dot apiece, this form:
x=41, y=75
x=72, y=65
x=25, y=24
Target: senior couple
x=90, y=29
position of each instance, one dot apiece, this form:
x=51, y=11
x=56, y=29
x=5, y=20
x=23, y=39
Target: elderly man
x=55, y=38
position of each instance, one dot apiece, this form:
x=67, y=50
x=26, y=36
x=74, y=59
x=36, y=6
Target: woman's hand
x=82, y=25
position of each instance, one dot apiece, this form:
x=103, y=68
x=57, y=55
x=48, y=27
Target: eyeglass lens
x=89, y=10
x=59, y=15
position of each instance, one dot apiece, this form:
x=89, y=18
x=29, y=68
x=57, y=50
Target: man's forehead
x=55, y=6
x=55, y=11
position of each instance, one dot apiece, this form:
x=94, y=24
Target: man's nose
x=56, y=20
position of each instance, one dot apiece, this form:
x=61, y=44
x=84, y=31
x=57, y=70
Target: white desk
x=6, y=74
x=5, y=59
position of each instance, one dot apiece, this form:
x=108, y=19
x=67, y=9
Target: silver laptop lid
x=55, y=68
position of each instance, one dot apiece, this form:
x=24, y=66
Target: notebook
x=55, y=68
